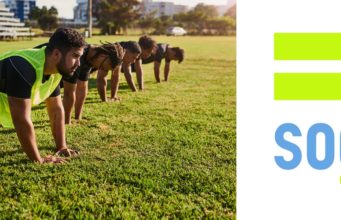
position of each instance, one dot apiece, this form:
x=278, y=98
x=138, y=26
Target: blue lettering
x=329, y=146
x=293, y=148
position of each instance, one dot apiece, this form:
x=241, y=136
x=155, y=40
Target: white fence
x=10, y=27
x=13, y=33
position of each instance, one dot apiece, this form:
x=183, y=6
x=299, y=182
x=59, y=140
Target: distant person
x=30, y=76
x=148, y=46
x=132, y=52
x=163, y=51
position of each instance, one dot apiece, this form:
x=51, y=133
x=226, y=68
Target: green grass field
x=167, y=152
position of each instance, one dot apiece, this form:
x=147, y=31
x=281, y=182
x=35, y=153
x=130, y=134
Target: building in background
x=80, y=12
x=148, y=6
x=11, y=27
x=162, y=8
x=20, y=8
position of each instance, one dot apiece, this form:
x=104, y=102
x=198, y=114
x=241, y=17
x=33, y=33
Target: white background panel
x=264, y=190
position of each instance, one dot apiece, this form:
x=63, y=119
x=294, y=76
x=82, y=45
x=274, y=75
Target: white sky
x=65, y=7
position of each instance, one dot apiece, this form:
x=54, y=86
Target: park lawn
x=166, y=152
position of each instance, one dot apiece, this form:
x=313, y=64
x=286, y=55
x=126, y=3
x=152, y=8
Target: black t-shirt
x=18, y=77
x=158, y=56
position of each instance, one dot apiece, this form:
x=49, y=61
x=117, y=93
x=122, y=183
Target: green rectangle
x=307, y=86
x=307, y=46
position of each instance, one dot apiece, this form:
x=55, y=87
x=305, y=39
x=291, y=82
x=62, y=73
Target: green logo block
x=307, y=86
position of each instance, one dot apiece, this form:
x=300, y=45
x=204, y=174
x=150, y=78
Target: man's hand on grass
x=115, y=99
x=67, y=152
x=53, y=160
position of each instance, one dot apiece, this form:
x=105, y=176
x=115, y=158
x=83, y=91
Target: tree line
x=117, y=16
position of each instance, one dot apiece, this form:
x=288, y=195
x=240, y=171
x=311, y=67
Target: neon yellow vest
x=39, y=92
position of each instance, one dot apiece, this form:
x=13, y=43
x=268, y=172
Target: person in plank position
x=163, y=51
x=31, y=76
x=132, y=51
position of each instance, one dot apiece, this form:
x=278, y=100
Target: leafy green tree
x=197, y=19
x=202, y=14
x=53, y=11
x=36, y=12
x=47, y=18
x=117, y=15
x=188, y=21
x=147, y=22
x=231, y=22
x=48, y=22
x=231, y=12
x=205, y=12
x=220, y=25
x=162, y=23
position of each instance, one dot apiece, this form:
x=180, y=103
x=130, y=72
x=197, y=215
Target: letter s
x=293, y=148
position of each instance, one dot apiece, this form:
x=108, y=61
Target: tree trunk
x=90, y=18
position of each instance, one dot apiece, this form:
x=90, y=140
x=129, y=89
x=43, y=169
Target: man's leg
x=69, y=99
x=102, y=84
x=81, y=92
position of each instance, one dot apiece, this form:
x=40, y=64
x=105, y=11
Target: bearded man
x=31, y=76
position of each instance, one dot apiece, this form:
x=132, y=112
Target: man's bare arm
x=115, y=79
x=69, y=100
x=102, y=84
x=81, y=93
x=157, y=71
x=139, y=73
x=21, y=116
x=167, y=69
x=127, y=74
x=56, y=114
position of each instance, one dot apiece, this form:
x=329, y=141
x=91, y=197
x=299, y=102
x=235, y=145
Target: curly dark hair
x=179, y=53
x=64, y=39
x=114, y=50
x=147, y=42
x=132, y=46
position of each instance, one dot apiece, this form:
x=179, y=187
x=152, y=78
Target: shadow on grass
x=41, y=123
x=50, y=148
x=15, y=162
x=10, y=161
x=92, y=84
x=124, y=87
x=9, y=153
x=42, y=106
x=93, y=101
x=8, y=131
